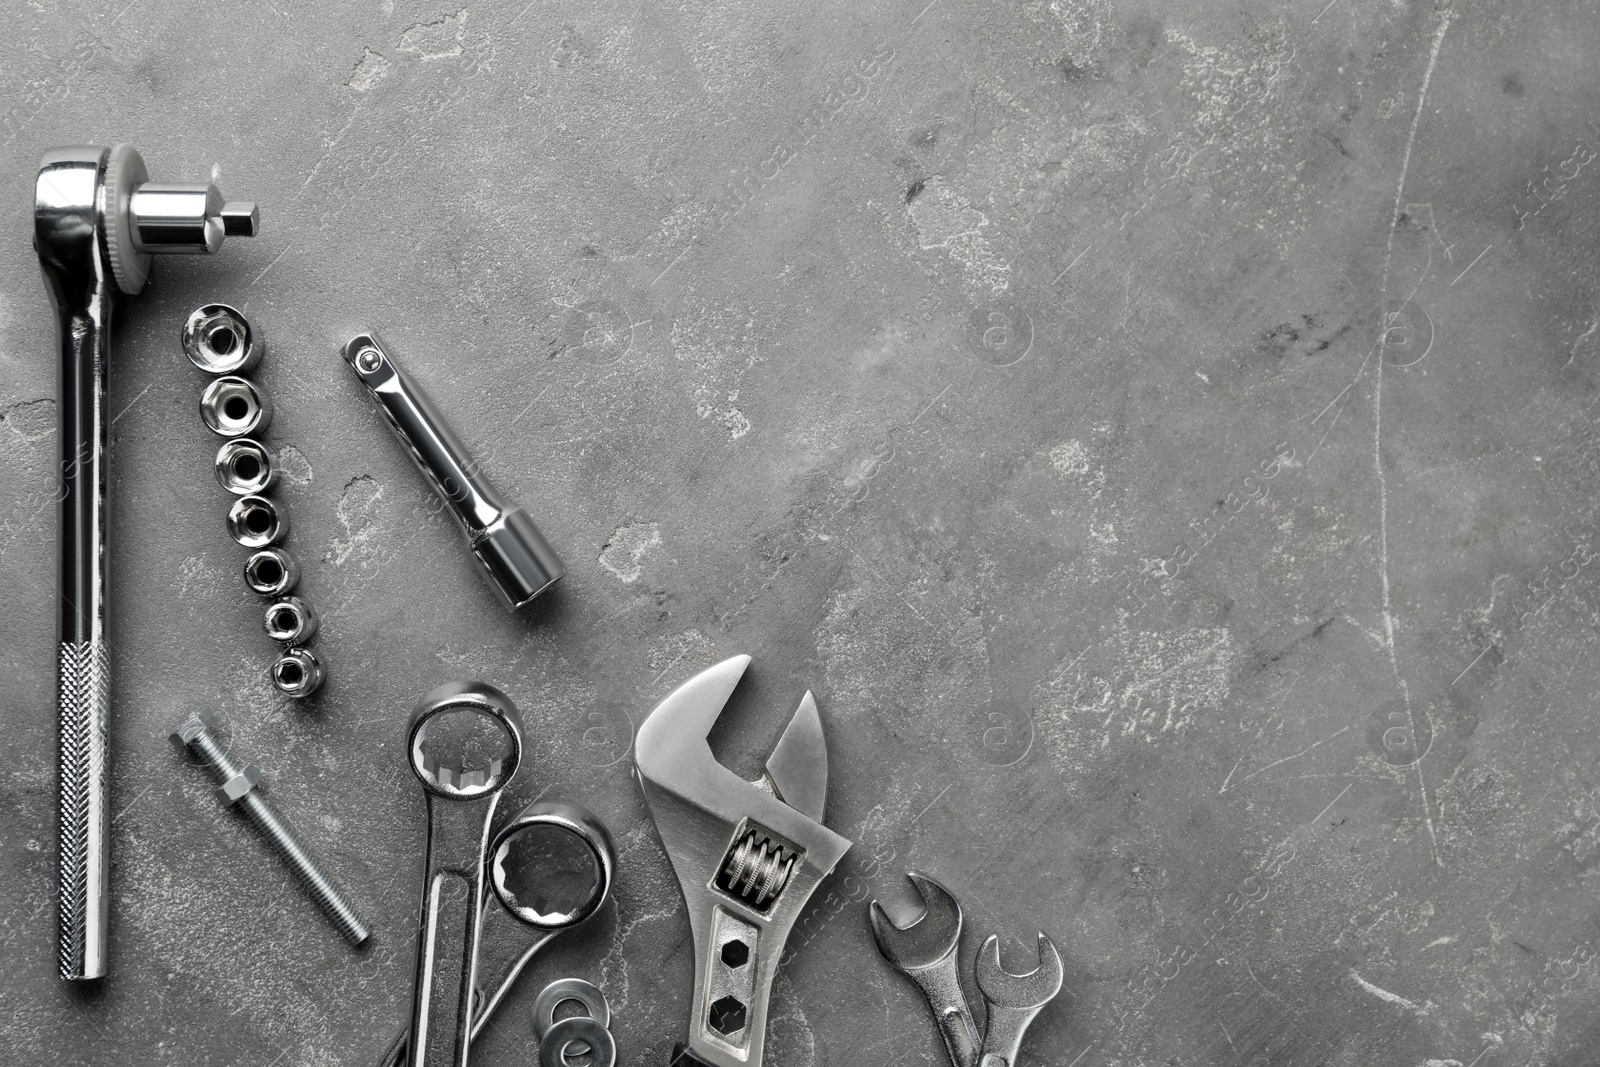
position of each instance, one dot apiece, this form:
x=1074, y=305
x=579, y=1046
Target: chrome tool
x=925, y=951
x=747, y=854
x=511, y=552
x=586, y=1035
x=236, y=787
x=98, y=219
x=550, y=869
x=465, y=743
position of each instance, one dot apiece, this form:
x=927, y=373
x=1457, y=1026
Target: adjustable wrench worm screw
x=236, y=787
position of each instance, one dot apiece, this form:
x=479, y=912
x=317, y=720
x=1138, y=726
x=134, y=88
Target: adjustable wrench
x=747, y=854
x=97, y=220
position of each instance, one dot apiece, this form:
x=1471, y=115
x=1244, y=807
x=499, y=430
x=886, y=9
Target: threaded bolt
x=236, y=788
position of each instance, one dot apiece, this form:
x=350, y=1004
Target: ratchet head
x=465, y=740
x=747, y=854
x=134, y=217
x=1001, y=988
x=926, y=940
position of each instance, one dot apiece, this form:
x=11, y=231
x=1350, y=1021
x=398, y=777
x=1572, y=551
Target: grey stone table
x=1159, y=433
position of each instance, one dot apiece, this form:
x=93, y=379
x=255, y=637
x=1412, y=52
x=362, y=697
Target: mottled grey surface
x=1013, y=375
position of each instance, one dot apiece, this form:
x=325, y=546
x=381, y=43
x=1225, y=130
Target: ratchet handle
x=85, y=758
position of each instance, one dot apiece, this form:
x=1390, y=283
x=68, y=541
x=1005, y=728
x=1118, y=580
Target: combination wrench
x=98, y=219
x=461, y=803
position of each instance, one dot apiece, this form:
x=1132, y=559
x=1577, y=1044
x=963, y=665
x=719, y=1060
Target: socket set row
x=219, y=340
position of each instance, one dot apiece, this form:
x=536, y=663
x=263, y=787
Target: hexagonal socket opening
x=271, y=572
x=736, y=954
x=256, y=522
x=727, y=1016
x=232, y=407
x=290, y=621
x=219, y=340
x=244, y=467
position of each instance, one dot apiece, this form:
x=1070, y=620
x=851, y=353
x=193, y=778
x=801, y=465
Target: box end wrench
x=522, y=913
x=461, y=804
x=98, y=220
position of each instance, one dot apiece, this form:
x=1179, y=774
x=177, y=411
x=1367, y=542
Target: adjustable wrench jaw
x=746, y=861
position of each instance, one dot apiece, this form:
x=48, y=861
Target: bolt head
x=235, y=788
x=197, y=723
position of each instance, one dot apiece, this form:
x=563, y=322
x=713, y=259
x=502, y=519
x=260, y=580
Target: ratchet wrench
x=97, y=221
x=519, y=916
x=463, y=790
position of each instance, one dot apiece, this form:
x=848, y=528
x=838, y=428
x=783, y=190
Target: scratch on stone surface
x=1377, y=430
x=328, y=151
x=274, y=263
x=1383, y=994
x=1297, y=755
x=130, y=404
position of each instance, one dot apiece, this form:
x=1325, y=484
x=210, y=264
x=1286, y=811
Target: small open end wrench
x=1013, y=999
x=925, y=950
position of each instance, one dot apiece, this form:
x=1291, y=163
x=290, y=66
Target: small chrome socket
x=245, y=467
x=271, y=572
x=256, y=522
x=297, y=673
x=290, y=621
x=219, y=340
x=232, y=407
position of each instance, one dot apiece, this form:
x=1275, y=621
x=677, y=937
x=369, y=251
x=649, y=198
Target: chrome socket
x=290, y=621
x=219, y=340
x=271, y=572
x=245, y=467
x=296, y=673
x=232, y=407
x=256, y=522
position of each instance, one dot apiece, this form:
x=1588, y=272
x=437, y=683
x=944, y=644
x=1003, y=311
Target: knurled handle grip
x=85, y=762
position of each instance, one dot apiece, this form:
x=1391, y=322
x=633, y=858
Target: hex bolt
x=236, y=786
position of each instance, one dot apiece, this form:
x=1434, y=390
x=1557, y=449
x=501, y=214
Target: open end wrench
x=1013, y=999
x=461, y=804
x=925, y=951
x=521, y=915
x=98, y=220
